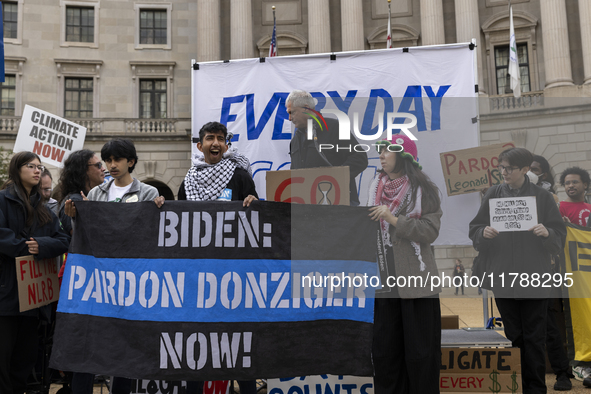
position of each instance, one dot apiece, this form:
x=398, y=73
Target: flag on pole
x=513, y=63
x=389, y=39
x=273, y=47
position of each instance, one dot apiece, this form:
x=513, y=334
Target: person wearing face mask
x=524, y=253
x=27, y=227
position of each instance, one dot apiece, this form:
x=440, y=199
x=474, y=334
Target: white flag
x=513, y=63
x=389, y=39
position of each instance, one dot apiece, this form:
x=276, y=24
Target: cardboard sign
x=37, y=282
x=471, y=170
x=49, y=136
x=513, y=214
x=321, y=384
x=322, y=186
x=468, y=370
x=176, y=387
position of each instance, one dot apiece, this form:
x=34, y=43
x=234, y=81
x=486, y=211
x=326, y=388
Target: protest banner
x=513, y=213
x=49, y=136
x=323, y=384
x=435, y=85
x=37, y=282
x=215, y=291
x=469, y=370
x=471, y=170
x=322, y=186
x=577, y=293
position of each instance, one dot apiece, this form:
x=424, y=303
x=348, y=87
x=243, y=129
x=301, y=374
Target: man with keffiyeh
x=218, y=171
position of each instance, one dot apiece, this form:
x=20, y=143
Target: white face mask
x=533, y=178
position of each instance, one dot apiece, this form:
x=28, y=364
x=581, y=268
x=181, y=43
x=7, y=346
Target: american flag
x=273, y=47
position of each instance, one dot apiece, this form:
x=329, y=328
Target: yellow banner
x=577, y=252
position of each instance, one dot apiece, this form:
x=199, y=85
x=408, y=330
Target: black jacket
x=304, y=153
x=516, y=252
x=52, y=241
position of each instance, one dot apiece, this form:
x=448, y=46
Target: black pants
x=555, y=339
x=83, y=383
x=407, y=345
x=525, y=326
x=18, y=352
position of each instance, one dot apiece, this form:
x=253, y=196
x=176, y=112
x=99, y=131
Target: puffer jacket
x=52, y=241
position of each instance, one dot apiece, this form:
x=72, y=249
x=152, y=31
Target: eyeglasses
x=507, y=169
x=32, y=166
x=98, y=165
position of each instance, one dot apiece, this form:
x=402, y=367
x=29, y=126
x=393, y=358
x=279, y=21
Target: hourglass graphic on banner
x=325, y=188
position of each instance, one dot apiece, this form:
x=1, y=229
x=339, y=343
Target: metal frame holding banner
x=435, y=85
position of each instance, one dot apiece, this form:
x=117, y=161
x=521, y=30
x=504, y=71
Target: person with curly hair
x=82, y=171
x=574, y=209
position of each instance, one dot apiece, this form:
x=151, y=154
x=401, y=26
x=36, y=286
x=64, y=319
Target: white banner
x=49, y=136
x=435, y=84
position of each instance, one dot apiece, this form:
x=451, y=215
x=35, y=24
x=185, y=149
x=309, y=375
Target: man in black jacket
x=306, y=153
x=524, y=256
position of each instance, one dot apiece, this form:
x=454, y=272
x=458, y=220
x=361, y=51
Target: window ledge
x=90, y=45
x=153, y=46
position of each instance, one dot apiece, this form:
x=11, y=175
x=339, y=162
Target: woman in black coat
x=27, y=227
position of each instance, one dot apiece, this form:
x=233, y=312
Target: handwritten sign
x=513, y=214
x=470, y=370
x=37, y=282
x=49, y=136
x=322, y=186
x=471, y=170
x=321, y=384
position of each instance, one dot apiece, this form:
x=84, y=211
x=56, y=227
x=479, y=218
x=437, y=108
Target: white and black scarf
x=205, y=182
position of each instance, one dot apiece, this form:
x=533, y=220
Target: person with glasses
x=46, y=189
x=527, y=253
x=27, y=227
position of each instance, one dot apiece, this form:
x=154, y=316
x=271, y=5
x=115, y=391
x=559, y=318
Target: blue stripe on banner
x=211, y=290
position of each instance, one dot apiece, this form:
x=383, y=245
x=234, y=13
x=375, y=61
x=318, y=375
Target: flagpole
x=389, y=32
x=273, y=46
x=513, y=69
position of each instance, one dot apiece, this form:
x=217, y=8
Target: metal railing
x=510, y=103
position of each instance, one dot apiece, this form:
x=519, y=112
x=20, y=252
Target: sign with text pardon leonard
x=474, y=169
x=37, y=282
x=49, y=136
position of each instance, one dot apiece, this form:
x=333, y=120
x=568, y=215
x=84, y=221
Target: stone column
x=352, y=25
x=318, y=26
x=556, y=47
x=585, y=18
x=241, y=45
x=208, y=30
x=432, y=22
x=467, y=28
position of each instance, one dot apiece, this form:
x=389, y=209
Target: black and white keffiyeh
x=205, y=182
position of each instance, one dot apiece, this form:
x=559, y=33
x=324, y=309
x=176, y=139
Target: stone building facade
x=122, y=67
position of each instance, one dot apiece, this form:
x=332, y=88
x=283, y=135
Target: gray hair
x=301, y=98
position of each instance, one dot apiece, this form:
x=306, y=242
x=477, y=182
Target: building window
x=78, y=98
x=79, y=24
x=153, y=27
x=8, y=88
x=153, y=98
x=502, y=68
x=10, y=19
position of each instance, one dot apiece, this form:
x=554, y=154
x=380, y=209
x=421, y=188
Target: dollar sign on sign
x=496, y=387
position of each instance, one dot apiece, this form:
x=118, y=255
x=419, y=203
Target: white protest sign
x=49, y=136
x=513, y=213
x=321, y=384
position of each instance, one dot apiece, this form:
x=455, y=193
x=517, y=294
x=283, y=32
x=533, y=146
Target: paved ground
x=469, y=308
